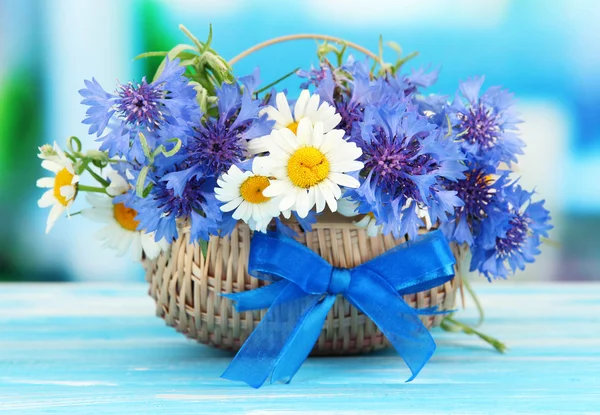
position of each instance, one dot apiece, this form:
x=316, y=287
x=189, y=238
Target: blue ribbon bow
x=305, y=287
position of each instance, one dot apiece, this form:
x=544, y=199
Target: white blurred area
x=545, y=129
x=87, y=39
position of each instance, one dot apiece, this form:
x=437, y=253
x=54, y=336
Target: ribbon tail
x=258, y=298
x=269, y=344
x=396, y=319
x=433, y=311
x=302, y=340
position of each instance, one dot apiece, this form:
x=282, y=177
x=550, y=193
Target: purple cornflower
x=480, y=192
x=162, y=208
x=218, y=143
x=511, y=237
x=486, y=124
x=406, y=158
x=161, y=110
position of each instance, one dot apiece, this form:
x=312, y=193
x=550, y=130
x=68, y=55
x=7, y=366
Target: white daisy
x=310, y=167
x=120, y=232
x=307, y=107
x=62, y=187
x=118, y=184
x=242, y=193
x=349, y=208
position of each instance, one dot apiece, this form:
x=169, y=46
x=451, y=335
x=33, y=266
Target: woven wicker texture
x=186, y=285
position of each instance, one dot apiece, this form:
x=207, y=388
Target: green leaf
x=209, y=41
x=145, y=148
x=147, y=190
x=272, y=84
x=150, y=55
x=203, y=247
x=139, y=185
x=199, y=45
x=172, y=54
x=395, y=46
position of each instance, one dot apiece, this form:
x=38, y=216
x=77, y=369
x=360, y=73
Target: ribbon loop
x=340, y=280
x=305, y=287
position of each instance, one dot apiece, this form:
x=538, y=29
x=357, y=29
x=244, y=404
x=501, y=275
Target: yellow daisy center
x=307, y=167
x=63, y=178
x=293, y=127
x=125, y=217
x=252, y=189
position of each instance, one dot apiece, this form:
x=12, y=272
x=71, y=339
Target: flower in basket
x=201, y=153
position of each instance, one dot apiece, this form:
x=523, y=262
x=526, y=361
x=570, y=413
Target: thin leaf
x=139, y=185
x=272, y=84
x=209, y=40
x=150, y=55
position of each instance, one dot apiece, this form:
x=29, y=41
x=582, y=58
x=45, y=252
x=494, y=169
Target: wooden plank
x=98, y=349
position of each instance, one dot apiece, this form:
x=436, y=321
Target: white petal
x=99, y=215
x=346, y=166
x=258, y=145
x=276, y=188
x=347, y=207
x=45, y=182
x=299, y=108
x=52, y=166
x=228, y=207
x=241, y=210
x=68, y=192
x=124, y=244
x=331, y=122
x=319, y=198
x=302, y=203
x=344, y=180
x=288, y=200
x=47, y=199
x=53, y=216
x=150, y=247
x=304, y=133
x=311, y=107
x=317, y=139
x=284, y=107
x=281, y=120
x=136, y=247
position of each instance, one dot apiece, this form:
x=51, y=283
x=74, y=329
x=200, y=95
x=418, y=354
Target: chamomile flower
x=242, y=193
x=121, y=228
x=309, y=167
x=309, y=107
x=62, y=187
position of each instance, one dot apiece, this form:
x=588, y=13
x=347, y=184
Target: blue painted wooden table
x=98, y=349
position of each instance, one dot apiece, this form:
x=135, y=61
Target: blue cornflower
x=480, y=192
x=512, y=237
x=351, y=88
x=161, y=110
x=161, y=210
x=486, y=124
x=218, y=143
x=406, y=158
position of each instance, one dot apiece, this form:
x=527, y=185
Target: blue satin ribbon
x=305, y=287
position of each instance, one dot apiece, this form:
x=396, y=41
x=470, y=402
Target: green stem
x=452, y=325
x=272, y=84
x=95, y=175
x=471, y=292
x=83, y=188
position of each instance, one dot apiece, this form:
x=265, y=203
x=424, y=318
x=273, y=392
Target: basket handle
x=287, y=38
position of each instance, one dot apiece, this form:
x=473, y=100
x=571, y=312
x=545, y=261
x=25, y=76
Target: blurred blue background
x=547, y=52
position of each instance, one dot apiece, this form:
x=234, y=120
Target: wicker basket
x=186, y=287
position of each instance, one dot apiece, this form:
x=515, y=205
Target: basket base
x=187, y=286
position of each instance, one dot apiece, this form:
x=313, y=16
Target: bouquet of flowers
x=200, y=149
